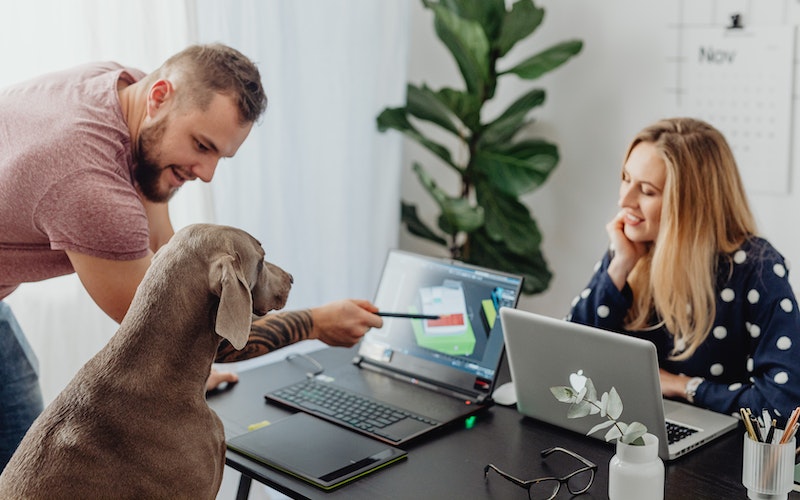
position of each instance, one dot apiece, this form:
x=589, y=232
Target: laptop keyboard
x=676, y=432
x=356, y=411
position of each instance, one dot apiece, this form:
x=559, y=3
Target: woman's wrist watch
x=691, y=388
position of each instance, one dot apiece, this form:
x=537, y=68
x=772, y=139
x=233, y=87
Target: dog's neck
x=163, y=326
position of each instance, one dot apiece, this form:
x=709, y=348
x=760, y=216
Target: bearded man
x=90, y=157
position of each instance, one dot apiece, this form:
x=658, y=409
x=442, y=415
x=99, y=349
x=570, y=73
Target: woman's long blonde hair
x=704, y=214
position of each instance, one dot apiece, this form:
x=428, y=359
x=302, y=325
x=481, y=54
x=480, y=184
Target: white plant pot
x=636, y=472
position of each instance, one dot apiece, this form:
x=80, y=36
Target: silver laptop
x=544, y=352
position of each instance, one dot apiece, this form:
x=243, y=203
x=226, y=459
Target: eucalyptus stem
x=616, y=424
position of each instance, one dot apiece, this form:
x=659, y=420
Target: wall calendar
x=741, y=82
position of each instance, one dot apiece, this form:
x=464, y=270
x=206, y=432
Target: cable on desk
x=317, y=366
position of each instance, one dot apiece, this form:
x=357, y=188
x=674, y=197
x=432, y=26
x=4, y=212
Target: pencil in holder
x=768, y=468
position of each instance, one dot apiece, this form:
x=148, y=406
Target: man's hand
x=217, y=377
x=344, y=322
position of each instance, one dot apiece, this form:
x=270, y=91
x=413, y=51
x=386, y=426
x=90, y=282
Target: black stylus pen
x=406, y=315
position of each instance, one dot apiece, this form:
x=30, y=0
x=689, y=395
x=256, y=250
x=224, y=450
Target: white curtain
x=315, y=181
x=63, y=325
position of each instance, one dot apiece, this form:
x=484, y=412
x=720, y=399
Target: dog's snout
x=273, y=290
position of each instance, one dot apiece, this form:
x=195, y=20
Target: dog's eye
x=260, y=266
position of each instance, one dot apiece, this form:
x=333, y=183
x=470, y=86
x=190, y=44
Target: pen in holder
x=768, y=468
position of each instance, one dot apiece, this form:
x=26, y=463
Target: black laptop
x=421, y=372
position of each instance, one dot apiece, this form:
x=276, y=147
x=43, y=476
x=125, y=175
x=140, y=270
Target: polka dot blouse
x=750, y=358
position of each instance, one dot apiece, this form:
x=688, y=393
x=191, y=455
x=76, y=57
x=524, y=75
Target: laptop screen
x=460, y=343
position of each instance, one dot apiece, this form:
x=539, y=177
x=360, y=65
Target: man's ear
x=234, y=314
x=160, y=93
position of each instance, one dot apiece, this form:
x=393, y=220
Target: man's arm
x=161, y=229
x=340, y=323
x=110, y=283
x=269, y=333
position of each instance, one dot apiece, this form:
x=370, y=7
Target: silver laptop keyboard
x=346, y=408
x=676, y=432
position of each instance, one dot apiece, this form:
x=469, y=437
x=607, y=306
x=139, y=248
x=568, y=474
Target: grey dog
x=133, y=422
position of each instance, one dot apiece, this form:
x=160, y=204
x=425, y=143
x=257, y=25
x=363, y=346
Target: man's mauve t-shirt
x=65, y=174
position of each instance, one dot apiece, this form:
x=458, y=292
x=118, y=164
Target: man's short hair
x=205, y=70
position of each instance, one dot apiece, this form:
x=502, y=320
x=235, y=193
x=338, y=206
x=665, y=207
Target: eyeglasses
x=546, y=488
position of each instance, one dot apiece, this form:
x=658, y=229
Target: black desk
x=450, y=464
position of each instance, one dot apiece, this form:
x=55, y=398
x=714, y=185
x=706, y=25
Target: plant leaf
x=482, y=250
x=425, y=104
x=613, y=433
x=614, y=404
x=457, y=213
x=563, y=393
x=467, y=107
x=580, y=409
x=521, y=21
x=603, y=404
x=467, y=42
x=582, y=394
x=602, y=425
x=505, y=127
x=517, y=168
x=591, y=392
x=416, y=227
x=396, y=118
x=507, y=219
x=488, y=13
x=634, y=433
x=545, y=61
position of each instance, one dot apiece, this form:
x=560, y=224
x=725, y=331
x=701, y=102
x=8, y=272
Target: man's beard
x=147, y=172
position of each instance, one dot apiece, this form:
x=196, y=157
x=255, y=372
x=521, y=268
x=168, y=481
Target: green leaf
x=425, y=104
x=603, y=404
x=633, y=434
x=614, y=432
x=614, y=404
x=591, y=392
x=416, y=227
x=507, y=220
x=484, y=251
x=467, y=41
x=396, y=118
x=518, y=168
x=579, y=410
x=488, y=13
x=521, y=21
x=602, y=425
x=457, y=213
x=545, y=61
x=563, y=394
x=505, y=127
x=467, y=107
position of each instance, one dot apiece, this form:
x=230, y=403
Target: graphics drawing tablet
x=316, y=451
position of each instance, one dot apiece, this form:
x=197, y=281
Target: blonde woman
x=687, y=271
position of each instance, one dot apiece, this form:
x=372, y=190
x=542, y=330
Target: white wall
x=623, y=80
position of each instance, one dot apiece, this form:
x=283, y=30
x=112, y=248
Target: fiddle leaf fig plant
x=584, y=402
x=495, y=157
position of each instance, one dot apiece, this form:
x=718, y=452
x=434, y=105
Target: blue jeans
x=20, y=395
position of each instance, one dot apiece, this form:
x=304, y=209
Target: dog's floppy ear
x=235, y=303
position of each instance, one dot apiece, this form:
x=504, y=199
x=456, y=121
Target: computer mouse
x=505, y=394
